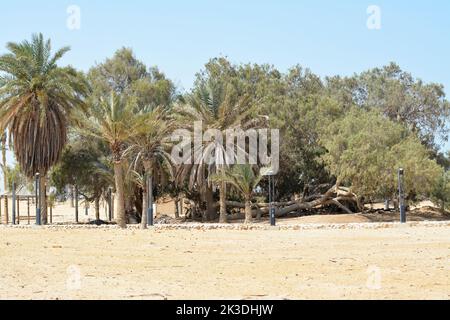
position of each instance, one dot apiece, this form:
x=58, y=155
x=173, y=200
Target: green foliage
x=149, y=148
x=244, y=178
x=293, y=103
x=125, y=75
x=14, y=175
x=441, y=191
x=365, y=150
x=396, y=94
x=299, y=120
x=112, y=120
x=83, y=164
x=220, y=106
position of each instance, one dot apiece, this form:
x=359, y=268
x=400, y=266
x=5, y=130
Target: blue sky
x=330, y=37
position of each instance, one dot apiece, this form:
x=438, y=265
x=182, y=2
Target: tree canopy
x=341, y=137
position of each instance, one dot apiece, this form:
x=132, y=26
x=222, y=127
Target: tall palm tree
x=5, y=178
x=245, y=180
x=219, y=107
x=150, y=149
x=37, y=100
x=113, y=120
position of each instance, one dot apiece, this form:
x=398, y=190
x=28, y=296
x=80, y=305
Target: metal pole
x=150, y=202
x=272, y=207
x=38, y=202
x=401, y=195
x=13, y=203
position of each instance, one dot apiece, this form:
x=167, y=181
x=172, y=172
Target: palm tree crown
x=241, y=177
x=113, y=120
x=36, y=102
x=219, y=107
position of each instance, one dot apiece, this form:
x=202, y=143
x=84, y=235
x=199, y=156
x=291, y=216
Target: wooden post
x=18, y=209
x=51, y=213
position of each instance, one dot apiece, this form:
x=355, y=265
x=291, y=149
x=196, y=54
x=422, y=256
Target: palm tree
x=219, y=107
x=150, y=146
x=5, y=179
x=245, y=180
x=37, y=100
x=113, y=121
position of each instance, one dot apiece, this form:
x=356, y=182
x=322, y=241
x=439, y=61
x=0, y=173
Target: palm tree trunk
x=128, y=204
x=144, y=208
x=177, y=207
x=43, y=197
x=5, y=179
x=119, y=205
x=72, y=196
x=181, y=206
x=248, y=211
x=223, y=203
x=210, y=213
x=97, y=209
x=148, y=193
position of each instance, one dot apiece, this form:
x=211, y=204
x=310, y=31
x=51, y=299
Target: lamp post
x=401, y=195
x=271, y=176
x=38, y=202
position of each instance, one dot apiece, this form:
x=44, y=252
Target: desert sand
x=400, y=262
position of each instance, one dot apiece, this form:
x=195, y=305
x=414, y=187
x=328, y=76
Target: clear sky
x=330, y=37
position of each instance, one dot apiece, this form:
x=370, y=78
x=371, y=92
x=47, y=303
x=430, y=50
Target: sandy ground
x=395, y=263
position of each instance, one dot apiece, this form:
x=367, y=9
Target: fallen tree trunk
x=333, y=196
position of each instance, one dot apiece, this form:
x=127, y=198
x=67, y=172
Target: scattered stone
x=172, y=224
x=164, y=219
